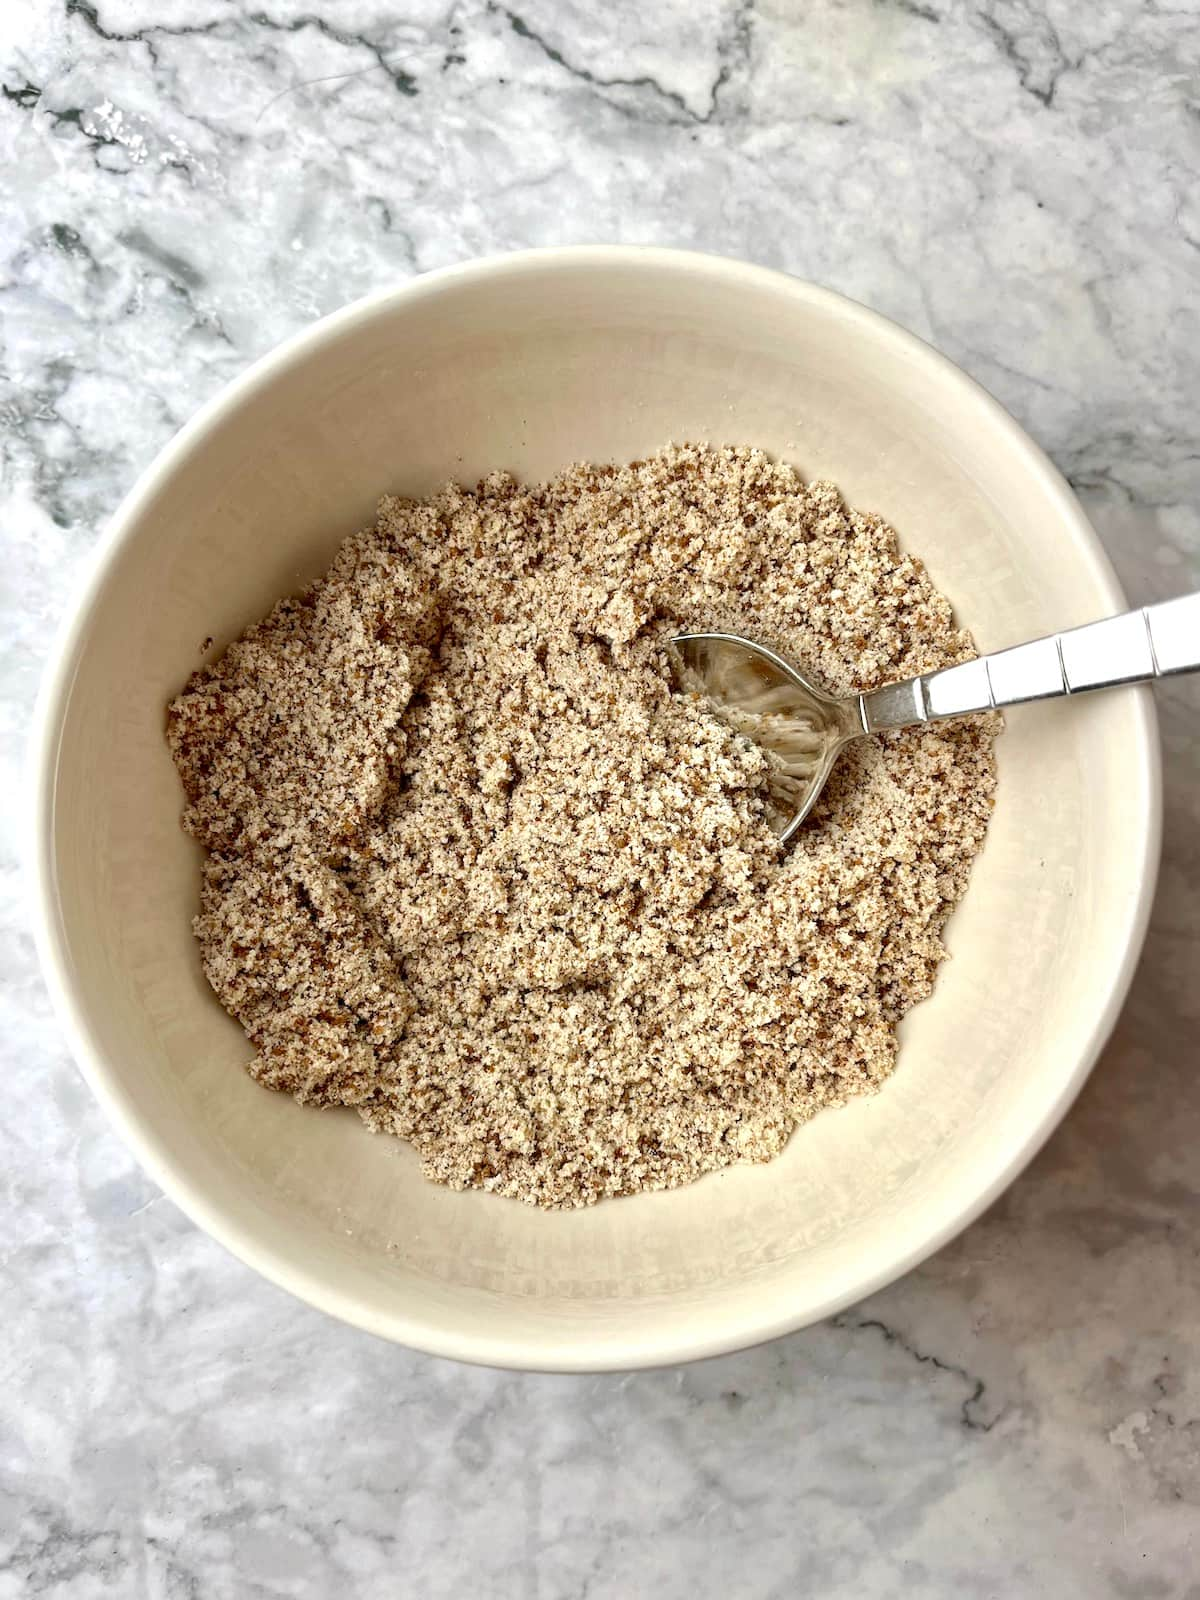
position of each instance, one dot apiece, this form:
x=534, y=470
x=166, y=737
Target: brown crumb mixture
x=476, y=870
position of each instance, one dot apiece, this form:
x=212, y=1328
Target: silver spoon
x=803, y=730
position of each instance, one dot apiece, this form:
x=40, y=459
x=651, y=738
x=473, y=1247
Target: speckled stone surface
x=186, y=183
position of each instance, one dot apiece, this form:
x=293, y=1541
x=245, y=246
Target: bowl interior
x=530, y=364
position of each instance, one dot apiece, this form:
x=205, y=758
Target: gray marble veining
x=1016, y=180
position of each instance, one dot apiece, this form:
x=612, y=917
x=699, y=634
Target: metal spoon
x=803, y=729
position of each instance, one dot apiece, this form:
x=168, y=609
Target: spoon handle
x=1134, y=648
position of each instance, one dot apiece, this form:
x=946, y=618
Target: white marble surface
x=186, y=182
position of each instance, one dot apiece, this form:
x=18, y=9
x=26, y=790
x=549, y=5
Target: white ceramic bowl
x=530, y=362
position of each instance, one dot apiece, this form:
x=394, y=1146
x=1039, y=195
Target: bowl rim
x=612, y=1351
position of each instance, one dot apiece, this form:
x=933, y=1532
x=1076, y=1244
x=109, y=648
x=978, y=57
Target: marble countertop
x=1016, y=181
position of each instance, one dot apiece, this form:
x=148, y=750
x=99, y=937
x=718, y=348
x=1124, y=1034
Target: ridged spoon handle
x=1134, y=648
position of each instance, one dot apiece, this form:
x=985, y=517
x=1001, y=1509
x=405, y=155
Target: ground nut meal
x=476, y=868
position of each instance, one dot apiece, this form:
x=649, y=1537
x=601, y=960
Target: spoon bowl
x=801, y=729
